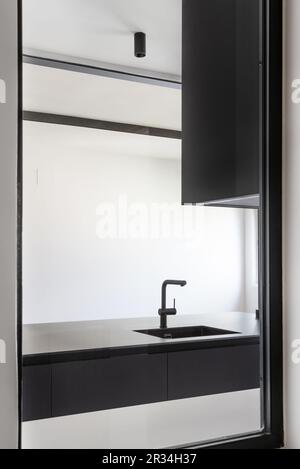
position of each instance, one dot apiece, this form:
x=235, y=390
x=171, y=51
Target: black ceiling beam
x=103, y=72
x=59, y=119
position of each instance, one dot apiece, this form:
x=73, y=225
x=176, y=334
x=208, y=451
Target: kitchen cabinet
x=212, y=371
x=36, y=397
x=90, y=385
x=221, y=101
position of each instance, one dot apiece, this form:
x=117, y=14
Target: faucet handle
x=173, y=310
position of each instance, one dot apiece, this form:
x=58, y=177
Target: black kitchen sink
x=181, y=332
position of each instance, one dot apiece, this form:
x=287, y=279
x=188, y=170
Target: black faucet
x=164, y=311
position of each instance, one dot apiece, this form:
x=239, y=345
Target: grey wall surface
x=8, y=223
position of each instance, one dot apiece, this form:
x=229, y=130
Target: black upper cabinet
x=222, y=68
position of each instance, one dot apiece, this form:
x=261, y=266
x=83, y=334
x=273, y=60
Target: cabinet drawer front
x=91, y=385
x=36, y=398
x=213, y=371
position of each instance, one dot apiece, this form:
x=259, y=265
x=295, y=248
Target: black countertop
x=54, y=342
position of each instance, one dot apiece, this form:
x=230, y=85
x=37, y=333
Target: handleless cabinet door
x=91, y=385
x=36, y=397
x=220, y=99
x=213, y=370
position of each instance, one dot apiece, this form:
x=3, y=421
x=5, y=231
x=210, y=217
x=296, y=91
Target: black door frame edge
x=271, y=225
x=270, y=242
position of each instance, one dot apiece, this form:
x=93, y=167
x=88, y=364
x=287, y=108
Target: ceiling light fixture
x=140, y=45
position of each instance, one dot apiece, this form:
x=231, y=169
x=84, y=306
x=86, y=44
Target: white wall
x=292, y=226
x=251, y=260
x=70, y=274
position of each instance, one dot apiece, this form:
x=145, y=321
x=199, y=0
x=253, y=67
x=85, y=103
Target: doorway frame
x=270, y=241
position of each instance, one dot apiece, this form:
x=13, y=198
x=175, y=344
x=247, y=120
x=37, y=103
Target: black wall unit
x=36, y=392
x=108, y=383
x=212, y=371
x=222, y=60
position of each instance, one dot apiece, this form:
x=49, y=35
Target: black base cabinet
x=212, y=371
x=90, y=385
x=74, y=387
x=36, y=396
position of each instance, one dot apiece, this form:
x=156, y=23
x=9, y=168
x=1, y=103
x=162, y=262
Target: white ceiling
x=83, y=95
x=89, y=141
x=102, y=31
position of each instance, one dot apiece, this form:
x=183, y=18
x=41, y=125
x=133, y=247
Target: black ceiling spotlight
x=140, y=45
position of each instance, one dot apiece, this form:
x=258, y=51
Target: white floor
x=158, y=425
